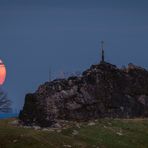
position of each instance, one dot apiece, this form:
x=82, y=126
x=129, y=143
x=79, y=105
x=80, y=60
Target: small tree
x=5, y=103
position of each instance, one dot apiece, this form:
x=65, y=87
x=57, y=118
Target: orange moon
x=2, y=73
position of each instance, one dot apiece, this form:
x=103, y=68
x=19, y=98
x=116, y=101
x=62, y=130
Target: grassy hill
x=105, y=133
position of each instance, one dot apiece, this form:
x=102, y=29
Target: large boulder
x=102, y=91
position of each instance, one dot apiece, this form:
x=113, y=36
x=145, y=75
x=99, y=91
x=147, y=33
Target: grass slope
x=106, y=133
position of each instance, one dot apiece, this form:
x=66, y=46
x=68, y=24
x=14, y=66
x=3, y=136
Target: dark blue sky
x=65, y=35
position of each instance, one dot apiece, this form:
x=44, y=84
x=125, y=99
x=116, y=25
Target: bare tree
x=5, y=103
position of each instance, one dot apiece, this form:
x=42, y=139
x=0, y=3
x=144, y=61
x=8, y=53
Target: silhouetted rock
x=102, y=91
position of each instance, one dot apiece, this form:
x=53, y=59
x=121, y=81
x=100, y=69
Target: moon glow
x=2, y=73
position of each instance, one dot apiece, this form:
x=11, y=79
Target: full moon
x=2, y=72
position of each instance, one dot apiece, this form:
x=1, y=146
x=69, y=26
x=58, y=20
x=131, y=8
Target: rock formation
x=102, y=91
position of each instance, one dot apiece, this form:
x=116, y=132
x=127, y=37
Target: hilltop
x=103, y=90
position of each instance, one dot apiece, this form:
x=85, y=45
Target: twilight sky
x=65, y=35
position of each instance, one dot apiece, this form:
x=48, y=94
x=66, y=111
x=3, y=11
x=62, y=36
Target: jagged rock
x=91, y=124
x=59, y=131
x=14, y=123
x=75, y=132
x=15, y=140
x=36, y=127
x=57, y=125
x=68, y=146
x=119, y=134
x=102, y=91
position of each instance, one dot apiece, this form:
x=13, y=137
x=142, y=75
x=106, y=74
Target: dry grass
x=105, y=133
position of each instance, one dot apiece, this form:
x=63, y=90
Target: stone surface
x=14, y=123
x=75, y=132
x=91, y=124
x=102, y=91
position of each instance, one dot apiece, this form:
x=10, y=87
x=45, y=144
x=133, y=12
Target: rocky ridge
x=102, y=91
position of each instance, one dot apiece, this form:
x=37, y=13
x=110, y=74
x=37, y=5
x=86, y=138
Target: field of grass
x=105, y=133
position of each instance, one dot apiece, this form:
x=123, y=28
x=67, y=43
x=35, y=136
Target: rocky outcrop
x=102, y=91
